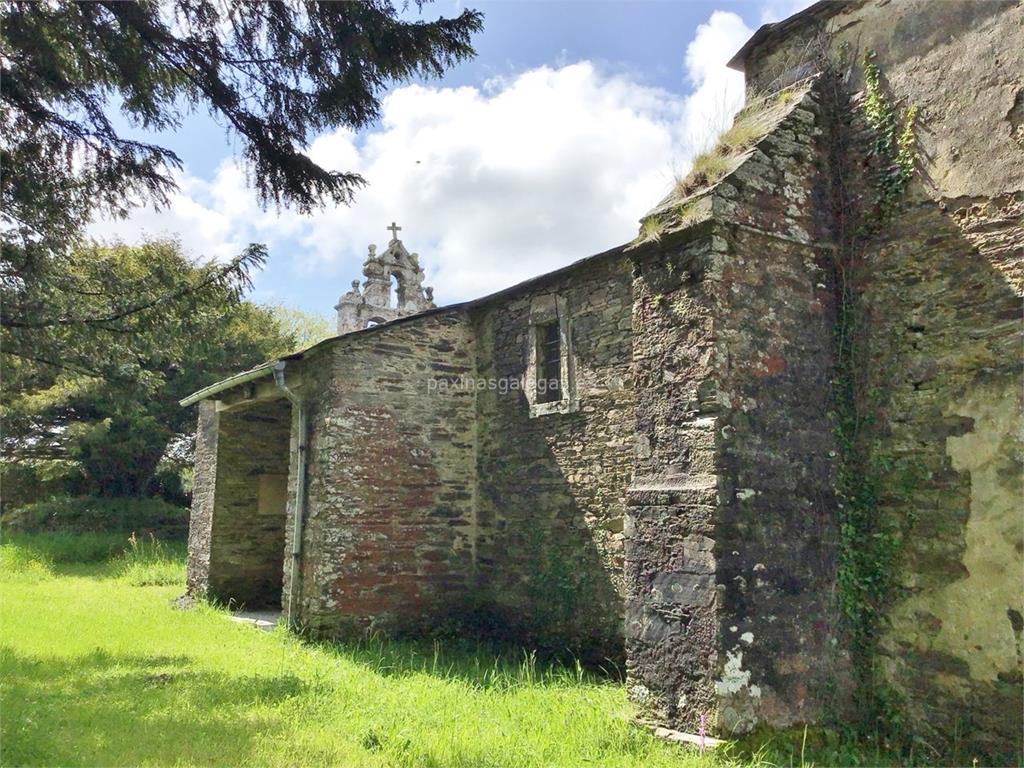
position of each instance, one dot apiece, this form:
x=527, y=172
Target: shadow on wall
x=551, y=488
x=543, y=582
x=247, y=540
x=944, y=338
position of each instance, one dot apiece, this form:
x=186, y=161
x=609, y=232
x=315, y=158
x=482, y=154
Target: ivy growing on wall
x=869, y=548
x=894, y=145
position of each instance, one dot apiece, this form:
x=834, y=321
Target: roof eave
x=232, y=381
x=822, y=8
x=268, y=368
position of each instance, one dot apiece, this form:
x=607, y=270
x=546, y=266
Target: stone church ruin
x=792, y=378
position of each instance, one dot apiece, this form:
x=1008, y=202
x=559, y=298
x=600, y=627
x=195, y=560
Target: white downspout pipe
x=300, y=487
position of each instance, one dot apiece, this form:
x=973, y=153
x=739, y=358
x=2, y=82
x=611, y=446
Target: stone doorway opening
x=247, y=542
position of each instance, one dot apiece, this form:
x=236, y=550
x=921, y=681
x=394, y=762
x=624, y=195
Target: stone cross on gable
x=374, y=302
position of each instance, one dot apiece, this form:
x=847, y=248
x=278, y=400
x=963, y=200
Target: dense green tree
x=116, y=418
x=307, y=328
x=100, y=342
x=274, y=74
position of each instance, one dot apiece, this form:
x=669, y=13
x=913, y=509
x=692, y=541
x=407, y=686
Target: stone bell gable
x=373, y=304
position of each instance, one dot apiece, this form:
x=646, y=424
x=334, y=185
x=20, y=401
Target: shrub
x=168, y=484
x=97, y=515
x=25, y=482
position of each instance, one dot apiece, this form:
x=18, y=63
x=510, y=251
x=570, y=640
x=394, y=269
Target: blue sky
x=547, y=147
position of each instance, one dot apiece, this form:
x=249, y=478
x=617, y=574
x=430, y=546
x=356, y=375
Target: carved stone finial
x=374, y=300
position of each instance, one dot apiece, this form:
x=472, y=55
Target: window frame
x=545, y=312
x=549, y=360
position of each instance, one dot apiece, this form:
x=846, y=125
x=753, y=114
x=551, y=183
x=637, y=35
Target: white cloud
x=718, y=90
x=491, y=185
x=205, y=225
x=495, y=186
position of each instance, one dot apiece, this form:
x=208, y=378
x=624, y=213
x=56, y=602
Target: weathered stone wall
x=732, y=543
x=551, y=488
x=200, y=521
x=672, y=627
x=236, y=531
x=776, y=533
x=960, y=63
x=390, y=527
x=939, y=347
x=944, y=339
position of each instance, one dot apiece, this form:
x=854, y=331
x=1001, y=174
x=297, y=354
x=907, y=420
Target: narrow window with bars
x=549, y=363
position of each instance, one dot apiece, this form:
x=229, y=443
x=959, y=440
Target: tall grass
x=720, y=158
x=485, y=665
x=51, y=549
x=149, y=562
x=138, y=682
x=144, y=561
x=752, y=123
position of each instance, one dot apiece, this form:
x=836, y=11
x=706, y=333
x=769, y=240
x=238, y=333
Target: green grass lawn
x=99, y=669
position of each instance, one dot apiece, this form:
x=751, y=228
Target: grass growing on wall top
x=752, y=123
x=99, y=671
x=756, y=120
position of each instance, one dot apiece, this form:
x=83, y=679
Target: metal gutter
x=299, y=514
